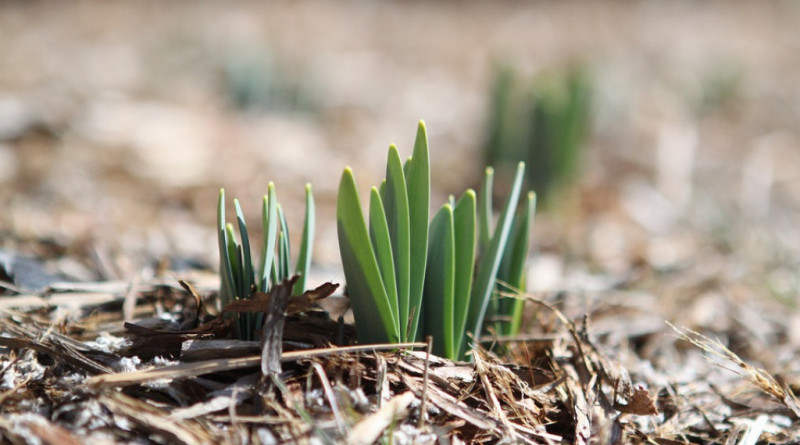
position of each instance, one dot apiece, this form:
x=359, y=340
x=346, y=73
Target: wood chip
x=369, y=430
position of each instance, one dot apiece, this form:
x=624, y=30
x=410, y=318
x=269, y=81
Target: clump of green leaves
x=506, y=311
x=543, y=121
x=259, y=80
x=461, y=294
x=384, y=264
x=719, y=88
x=401, y=269
x=240, y=276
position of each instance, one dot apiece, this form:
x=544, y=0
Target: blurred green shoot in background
x=543, y=121
x=258, y=80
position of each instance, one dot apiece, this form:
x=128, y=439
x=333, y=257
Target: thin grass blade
x=513, y=266
x=490, y=260
x=284, y=250
x=511, y=275
x=282, y=260
x=234, y=259
x=306, y=244
x=225, y=270
x=269, y=220
x=485, y=210
x=247, y=277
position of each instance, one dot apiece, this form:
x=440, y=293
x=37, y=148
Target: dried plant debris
x=761, y=379
x=174, y=375
x=21, y=272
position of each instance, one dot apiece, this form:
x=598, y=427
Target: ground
x=668, y=265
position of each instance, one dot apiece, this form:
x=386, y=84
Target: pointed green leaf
x=382, y=245
x=406, y=166
x=247, y=277
x=397, y=216
x=465, y=246
x=306, y=244
x=281, y=267
x=510, y=275
x=225, y=270
x=512, y=268
x=490, y=260
x=485, y=211
x=234, y=260
x=269, y=218
x=418, y=179
x=374, y=317
x=439, y=283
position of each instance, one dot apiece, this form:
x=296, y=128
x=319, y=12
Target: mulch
x=152, y=362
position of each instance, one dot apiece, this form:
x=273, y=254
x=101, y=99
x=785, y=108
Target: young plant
x=448, y=281
x=257, y=79
x=506, y=310
x=398, y=264
x=239, y=277
x=543, y=121
x=493, y=247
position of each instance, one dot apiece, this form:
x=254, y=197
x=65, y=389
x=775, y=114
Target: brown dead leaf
x=147, y=342
x=198, y=301
x=640, y=403
x=259, y=301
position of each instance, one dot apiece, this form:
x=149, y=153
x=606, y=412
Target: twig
x=228, y=364
x=326, y=387
x=382, y=381
x=533, y=338
x=423, y=404
x=497, y=409
x=129, y=303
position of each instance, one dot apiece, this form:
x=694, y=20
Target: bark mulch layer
x=119, y=362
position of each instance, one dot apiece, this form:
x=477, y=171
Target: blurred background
x=662, y=136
